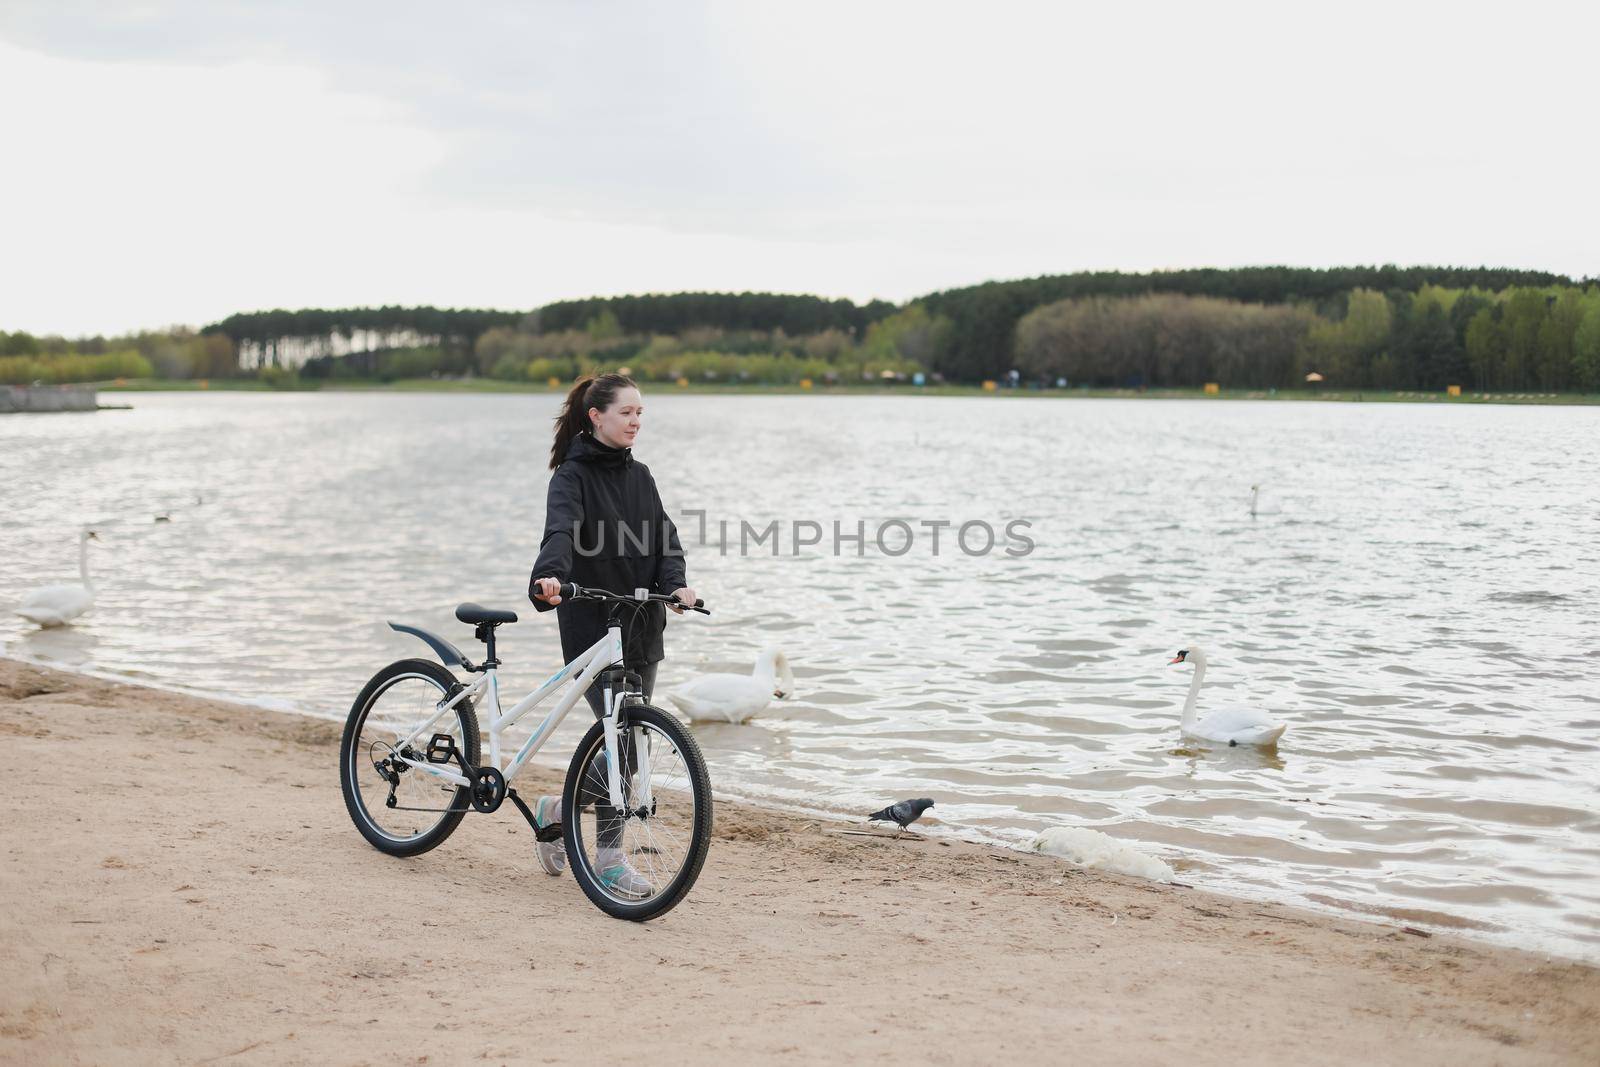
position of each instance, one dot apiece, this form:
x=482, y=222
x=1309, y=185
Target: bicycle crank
x=488, y=790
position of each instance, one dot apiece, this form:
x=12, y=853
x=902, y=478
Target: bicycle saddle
x=474, y=613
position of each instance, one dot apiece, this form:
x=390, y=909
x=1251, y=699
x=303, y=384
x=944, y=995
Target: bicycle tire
x=699, y=780
x=349, y=756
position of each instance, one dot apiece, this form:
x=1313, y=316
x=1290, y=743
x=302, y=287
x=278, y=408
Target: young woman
x=604, y=526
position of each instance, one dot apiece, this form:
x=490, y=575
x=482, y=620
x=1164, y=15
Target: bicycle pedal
x=441, y=749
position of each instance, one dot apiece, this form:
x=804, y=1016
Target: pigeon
x=904, y=813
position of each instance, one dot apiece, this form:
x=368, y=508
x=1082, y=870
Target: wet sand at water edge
x=181, y=883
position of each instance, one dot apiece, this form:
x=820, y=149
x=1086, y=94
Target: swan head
x=86, y=535
x=774, y=664
x=1193, y=654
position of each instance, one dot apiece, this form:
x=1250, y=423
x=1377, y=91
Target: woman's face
x=618, y=424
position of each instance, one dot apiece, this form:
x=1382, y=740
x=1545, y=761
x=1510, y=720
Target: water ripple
x=1416, y=597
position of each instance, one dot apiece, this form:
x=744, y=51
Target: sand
x=181, y=883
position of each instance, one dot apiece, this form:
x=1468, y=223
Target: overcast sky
x=173, y=161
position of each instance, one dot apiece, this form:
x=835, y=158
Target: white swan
x=736, y=697
x=57, y=605
x=1093, y=849
x=1233, y=726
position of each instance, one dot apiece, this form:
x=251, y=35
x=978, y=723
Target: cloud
x=616, y=114
x=519, y=152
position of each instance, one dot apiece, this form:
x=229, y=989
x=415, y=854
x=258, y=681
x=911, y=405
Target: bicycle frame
x=604, y=653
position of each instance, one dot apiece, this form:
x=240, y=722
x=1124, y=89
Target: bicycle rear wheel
x=639, y=862
x=399, y=809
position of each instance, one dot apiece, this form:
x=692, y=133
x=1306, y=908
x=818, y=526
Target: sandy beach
x=182, y=884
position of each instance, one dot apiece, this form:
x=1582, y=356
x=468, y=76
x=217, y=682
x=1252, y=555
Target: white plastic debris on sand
x=1091, y=848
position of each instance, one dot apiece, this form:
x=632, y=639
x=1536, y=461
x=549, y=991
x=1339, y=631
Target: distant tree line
x=1162, y=339
x=1329, y=320
x=73, y=367
x=289, y=338
x=983, y=318
x=676, y=313
x=292, y=338
x=1516, y=340
x=700, y=331
x=175, y=353
x=895, y=346
x=1258, y=327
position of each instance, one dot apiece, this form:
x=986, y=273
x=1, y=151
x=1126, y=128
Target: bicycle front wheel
x=401, y=809
x=639, y=861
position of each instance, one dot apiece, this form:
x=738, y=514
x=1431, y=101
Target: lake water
x=1417, y=597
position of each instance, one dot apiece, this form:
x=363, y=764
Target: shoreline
x=1429, y=921
x=495, y=386
x=193, y=888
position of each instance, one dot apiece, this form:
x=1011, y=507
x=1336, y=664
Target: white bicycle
x=409, y=763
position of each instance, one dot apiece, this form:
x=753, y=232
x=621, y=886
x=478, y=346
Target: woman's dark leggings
x=593, y=789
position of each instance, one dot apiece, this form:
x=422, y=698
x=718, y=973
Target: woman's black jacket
x=604, y=526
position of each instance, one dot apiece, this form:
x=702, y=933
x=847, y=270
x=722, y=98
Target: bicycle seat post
x=485, y=633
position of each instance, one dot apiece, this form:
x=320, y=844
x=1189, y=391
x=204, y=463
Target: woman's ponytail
x=589, y=391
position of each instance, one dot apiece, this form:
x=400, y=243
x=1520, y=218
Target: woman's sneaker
x=618, y=875
x=552, y=854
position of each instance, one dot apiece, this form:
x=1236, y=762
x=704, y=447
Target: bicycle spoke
x=656, y=844
x=421, y=800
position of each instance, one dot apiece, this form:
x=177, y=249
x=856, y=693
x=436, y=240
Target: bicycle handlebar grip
x=569, y=590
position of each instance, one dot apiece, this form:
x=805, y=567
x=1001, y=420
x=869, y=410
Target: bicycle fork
x=641, y=746
x=609, y=723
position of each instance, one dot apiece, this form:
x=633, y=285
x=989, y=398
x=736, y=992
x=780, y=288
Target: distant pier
x=15, y=399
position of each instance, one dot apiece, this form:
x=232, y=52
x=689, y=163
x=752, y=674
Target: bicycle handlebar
x=574, y=591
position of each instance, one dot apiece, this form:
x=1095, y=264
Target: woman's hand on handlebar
x=552, y=591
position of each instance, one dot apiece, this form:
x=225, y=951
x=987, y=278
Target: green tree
x=1355, y=342
x=1486, y=349
x=20, y=343
x=212, y=356
x=1437, y=359
x=604, y=326
x=1464, y=308
x=1555, y=340
x=905, y=341
x=1586, y=346
x=1521, y=318
x=1439, y=295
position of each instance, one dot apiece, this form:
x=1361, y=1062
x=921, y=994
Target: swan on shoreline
x=57, y=605
x=736, y=697
x=1231, y=726
x=1101, y=852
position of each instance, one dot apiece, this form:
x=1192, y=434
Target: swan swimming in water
x=736, y=697
x=1232, y=726
x=57, y=605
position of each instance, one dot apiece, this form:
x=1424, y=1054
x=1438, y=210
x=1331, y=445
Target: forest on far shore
x=1385, y=328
